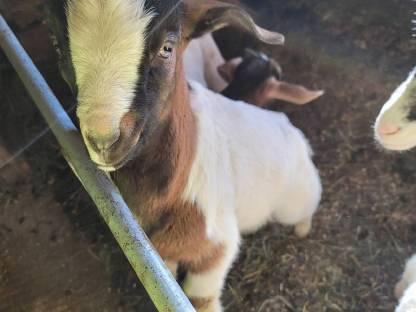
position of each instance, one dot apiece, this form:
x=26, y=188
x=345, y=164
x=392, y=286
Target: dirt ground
x=57, y=255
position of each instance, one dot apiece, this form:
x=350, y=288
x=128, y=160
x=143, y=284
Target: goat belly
x=249, y=162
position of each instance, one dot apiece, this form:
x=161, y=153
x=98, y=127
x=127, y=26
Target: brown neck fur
x=154, y=181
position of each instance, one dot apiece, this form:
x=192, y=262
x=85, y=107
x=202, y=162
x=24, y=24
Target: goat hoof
x=303, y=228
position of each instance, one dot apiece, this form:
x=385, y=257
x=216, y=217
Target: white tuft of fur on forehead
x=107, y=40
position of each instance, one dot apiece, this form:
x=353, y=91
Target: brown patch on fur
x=201, y=303
x=127, y=124
x=210, y=260
x=153, y=183
x=183, y=238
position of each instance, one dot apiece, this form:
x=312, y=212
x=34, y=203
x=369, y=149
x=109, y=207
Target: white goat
x=395, y=127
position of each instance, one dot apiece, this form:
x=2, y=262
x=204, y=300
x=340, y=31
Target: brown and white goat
x=196, y=168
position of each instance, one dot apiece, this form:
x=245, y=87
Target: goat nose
x=385, y=128
x=102, y=141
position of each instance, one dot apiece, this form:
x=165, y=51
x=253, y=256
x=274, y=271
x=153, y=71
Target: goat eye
x=166, y=51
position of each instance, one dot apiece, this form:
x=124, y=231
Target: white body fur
x=261, y=170
x=201, y=60
x=406, y=288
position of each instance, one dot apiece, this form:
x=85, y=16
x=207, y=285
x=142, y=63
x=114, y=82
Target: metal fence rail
x=149, y=267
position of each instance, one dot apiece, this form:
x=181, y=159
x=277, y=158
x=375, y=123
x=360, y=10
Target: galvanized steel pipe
x=152, y=272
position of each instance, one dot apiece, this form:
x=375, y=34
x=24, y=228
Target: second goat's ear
x=204, y=16
x=291, y=93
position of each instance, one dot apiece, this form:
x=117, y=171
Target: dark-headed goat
x=254, y=78
x=257, y=79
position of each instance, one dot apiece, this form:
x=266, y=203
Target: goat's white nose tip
x=387, y=129
x=102, y=142
x=100, y=131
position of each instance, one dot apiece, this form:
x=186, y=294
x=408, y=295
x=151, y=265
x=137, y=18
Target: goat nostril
x=102, y=142
x=388, y=129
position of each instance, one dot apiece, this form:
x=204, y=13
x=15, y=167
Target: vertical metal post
x=159, y=283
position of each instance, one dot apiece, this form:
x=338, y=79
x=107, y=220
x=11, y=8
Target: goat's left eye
x=166, y=51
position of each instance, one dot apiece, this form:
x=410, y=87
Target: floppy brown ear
x=292, y=93
x=203, y=16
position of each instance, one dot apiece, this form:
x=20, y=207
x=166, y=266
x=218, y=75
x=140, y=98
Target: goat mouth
x=107, y=168
x=110, y=167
